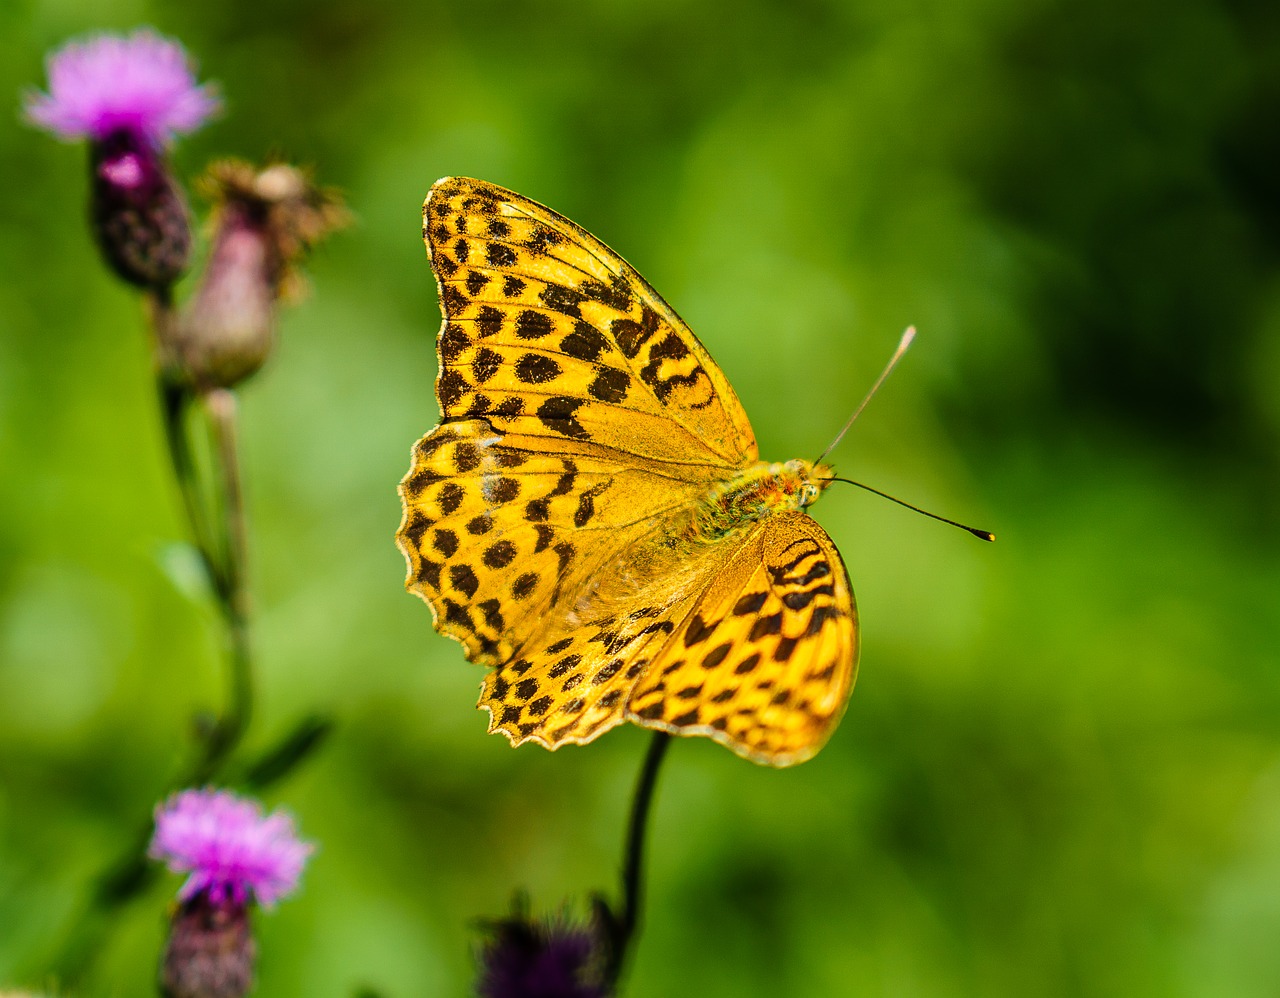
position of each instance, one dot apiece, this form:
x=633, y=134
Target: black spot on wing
x=821, y=614
x=450, y=497
x=466, y=456
x=429, y=572
x=543, y=237
x=499, y=555
x=564, y=300
x=510, y=408
x=453, y=342
x=585, y=343
x=610, y=385
x=628, y=335
x=445, y=541
x=716, y=655
x=451, y=386
x=557, y=415
x=464, y=579
x=565, y=665
x=615, y=294
x=587, y=504
x=748, y=664
x=772, y=624
x=475, y=282
x=418, y=525
x=504, y=490
x=488, y=320
x=750, y=603
x=486, y=364
x=800, y=599
x=537, y=369
x=501, y=255
x=531, y=325
x=698, y=630
x=492, y=611
x=420, y=481
x=670, y=347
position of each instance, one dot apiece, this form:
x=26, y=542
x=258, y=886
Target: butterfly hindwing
x=765, y=661
x=574, y=680
x=575, y=687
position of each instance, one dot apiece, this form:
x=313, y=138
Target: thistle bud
x=211, y=952
x=264, y=222
x=137, y=212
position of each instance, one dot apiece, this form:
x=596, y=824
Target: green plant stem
x=215, y=514
x=628, y=920
x=233, y=598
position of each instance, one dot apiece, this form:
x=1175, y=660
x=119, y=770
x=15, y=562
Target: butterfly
x=591, y=519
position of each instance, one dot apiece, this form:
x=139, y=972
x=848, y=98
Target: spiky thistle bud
x=138, y=214
x=211, y=952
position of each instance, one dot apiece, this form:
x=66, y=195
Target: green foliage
x=1060, y=771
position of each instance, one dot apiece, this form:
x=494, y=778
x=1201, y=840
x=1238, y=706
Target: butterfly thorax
x=757, y=492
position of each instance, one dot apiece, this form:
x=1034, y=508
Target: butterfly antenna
x=985, y=535
x=905, y=342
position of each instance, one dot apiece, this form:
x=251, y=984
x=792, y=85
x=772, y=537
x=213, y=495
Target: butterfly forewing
x=505, y=542
x=548, y=332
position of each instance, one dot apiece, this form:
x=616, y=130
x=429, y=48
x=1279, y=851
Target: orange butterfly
x=591, y=517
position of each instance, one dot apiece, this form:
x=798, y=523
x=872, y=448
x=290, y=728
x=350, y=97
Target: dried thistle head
x=294, y=211
x=264, y=221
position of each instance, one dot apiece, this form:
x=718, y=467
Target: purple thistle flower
x=230, y=849
x=554, y=958
x=142, y=84
x=129, y=97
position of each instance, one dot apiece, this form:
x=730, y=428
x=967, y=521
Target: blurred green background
x=1060, y=771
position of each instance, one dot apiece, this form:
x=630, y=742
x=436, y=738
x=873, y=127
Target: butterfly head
x=803, y=481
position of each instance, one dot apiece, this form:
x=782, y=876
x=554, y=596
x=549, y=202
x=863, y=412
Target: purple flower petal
x=142, y=84
x=228, y=846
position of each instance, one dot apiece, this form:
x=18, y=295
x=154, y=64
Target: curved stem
x=633, y=867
